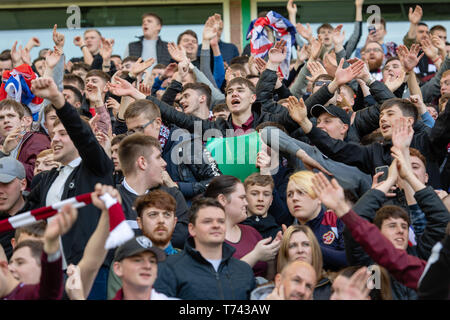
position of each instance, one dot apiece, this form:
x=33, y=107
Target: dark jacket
x=171, y=116
x=95, y=167
x=189, y=166
x=367, y=158
x=189, y=276
x=162, y=54
x=435, y=281
x=180, y=233
x=267, y=226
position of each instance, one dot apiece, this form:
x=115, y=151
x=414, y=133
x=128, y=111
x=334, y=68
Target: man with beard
x=373, y=56
x=157, y=220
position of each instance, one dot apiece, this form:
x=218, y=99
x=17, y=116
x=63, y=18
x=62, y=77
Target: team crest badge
x=328, y=237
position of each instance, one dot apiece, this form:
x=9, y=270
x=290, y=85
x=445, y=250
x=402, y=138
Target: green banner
x=236, y=156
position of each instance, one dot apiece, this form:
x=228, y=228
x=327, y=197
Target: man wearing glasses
x=373, y=55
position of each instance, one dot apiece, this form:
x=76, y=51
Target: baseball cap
x=10, y=169
x=335, y=111
x=137, y=245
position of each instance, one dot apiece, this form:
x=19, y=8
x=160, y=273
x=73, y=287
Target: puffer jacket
x=189, y=276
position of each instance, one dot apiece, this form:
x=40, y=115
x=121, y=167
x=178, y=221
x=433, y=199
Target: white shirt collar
x=130, y=189
x=74, y=163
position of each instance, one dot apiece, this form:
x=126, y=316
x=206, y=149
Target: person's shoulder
x=240, y=266
x=160, y=296
x=247, y=228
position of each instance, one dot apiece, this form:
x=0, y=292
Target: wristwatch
x=370, y=80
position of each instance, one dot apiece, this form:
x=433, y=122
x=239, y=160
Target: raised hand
x=338, y=37
x=106, y=49
x=260, y=64
x=169, y=71
x=402, y=164
x=277, y=53
x=58, y=38
x=25, y=56
x=78, y=41
x=315, y=68
x=93, y=94
x=121, y=87
x=140, y=66
x=100, y=190
x=276, y=294
x=418, y=103
x=46, y=88
x=364, y=74
x=145, y=89
x=393, y=83
x=316, y=46
x=16, y=58
x=438, y=43
x=210, y=29
x=402, y=134
x=356, y=287
x=343, y=76
x=330, y=194
x=415, y=15
x=291, y=8
x=12, y=140
x=74, y=285
x=177, y=53
x=297, y=109
x=430, y=50
x=183, y=68
x=52, y=57
x=310, y=163
x=113, y=104
x=304, y=53
x=409, y=58
x=305, y=32
x=33, y=42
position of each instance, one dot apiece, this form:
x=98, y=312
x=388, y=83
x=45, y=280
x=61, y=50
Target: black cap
x=138, y=245
x=335, y=111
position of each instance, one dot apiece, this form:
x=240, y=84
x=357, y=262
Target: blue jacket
x=328, y=230
x=189, y=276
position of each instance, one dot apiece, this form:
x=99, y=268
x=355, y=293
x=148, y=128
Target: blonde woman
x=307, y=209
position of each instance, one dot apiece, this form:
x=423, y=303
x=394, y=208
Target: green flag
x=236, y=156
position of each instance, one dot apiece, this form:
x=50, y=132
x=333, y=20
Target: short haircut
x=220, y=107
x=224, y=184
x=407, y=107
x=76, y=92
x=159, y=66
x=5, y=56
x=303, y=180
x=438, y=27
x=81, y=65
x=26, y=110
x=201, y=88
x=324, y=26
x=17, y=107
x=238, y=67
x=381, y=21
x=239, y=60
x=241, y=81
x=188, y=32
x=71, y=78
x=390, y=211
x=36, y=229
x=47, y=109
x=156, y=199
x=44, y=153
x=36, y=248
x=446, y=73
x=422, y=24
x=154, y=15
x=271, y=124
x=93, y=30
x=369, y=42
x=391, y=59
x=118, y=139
x=116, y=56
x=99, y=73
x=200, y=203
x=38, y=59
x=413, y=152
x=259, y=179
x=133, y=147
x=143, y=107
x=130, y=58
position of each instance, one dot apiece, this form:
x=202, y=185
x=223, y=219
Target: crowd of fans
x=350, y=200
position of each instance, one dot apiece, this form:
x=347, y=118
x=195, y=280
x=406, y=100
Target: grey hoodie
x=348, y=177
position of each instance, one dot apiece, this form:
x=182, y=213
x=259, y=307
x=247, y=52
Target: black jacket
x=180, y=233
x=171, y=116
x=189, y=163
x=162, y=54
x=189, y=276
x=367, y=158
x=95, y=167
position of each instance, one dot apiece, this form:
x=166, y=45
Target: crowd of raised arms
x=348, y=199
